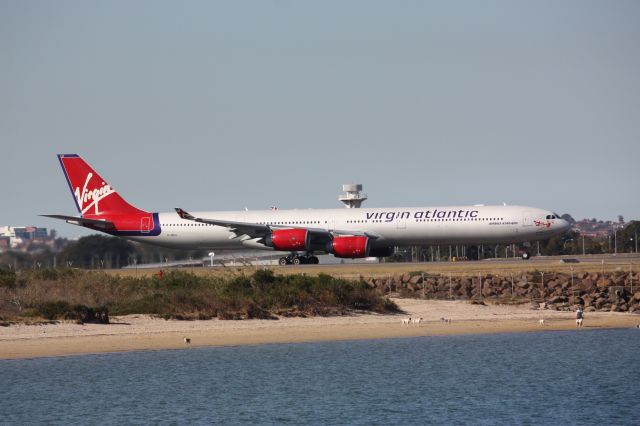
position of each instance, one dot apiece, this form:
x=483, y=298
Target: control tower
x=352, y=197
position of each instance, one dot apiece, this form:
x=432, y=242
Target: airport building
x=15, y=237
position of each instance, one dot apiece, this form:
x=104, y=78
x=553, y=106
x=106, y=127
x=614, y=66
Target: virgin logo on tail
x=91, y=196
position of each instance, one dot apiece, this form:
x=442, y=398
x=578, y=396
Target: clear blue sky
x=225, y=105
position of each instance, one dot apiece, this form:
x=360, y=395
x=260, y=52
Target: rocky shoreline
x=615, y=292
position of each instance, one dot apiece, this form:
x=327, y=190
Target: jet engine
x=288, y=239
x=356, y=246
x=350, y=246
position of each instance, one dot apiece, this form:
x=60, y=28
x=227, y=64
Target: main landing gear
x=525, y=255
x=295, y=259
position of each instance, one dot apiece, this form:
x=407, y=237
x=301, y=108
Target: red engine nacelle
x=288, y=239
x=350, y=246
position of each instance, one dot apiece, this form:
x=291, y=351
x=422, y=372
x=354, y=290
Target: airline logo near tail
x=93, y=195
x=100, y=206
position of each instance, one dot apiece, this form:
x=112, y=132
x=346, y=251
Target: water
x=586, y=377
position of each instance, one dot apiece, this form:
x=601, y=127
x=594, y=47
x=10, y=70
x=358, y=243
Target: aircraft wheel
x=296, y=261
x=314, y=260
x=526, y=255
x=282, y=261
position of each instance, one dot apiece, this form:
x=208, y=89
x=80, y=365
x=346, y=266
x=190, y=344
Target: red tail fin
x=92, y=194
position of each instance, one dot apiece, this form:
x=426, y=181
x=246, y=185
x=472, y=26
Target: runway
x=589, y=263
x=567, y=264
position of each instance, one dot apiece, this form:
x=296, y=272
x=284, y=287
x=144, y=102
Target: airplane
x=344, y=233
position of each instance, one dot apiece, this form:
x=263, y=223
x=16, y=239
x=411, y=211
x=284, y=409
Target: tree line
x=96, y=252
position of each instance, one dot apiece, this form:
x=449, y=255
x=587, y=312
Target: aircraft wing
x=259, y=230
x=75, y=220
x=239, y=228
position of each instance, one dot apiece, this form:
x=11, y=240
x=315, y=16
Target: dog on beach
x=187, y=341
x=541, y=322
x=416, y=321
x=579, y=317
x=406, y=321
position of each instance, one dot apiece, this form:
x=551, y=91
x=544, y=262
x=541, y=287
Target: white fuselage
x=398, y=226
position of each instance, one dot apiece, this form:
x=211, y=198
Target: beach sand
x=141, y=332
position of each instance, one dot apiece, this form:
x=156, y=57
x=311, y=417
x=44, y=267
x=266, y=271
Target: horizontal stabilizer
x=75, y=220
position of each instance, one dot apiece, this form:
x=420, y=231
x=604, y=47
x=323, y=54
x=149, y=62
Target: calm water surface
x=585, y=377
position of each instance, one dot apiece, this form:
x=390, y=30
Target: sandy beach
x=141, y=332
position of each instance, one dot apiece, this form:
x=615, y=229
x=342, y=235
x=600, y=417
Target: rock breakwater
x=617, y=292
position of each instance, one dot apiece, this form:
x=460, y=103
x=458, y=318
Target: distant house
x=593, y=228
x=19, y=237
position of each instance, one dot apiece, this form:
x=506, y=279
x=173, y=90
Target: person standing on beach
x=579, y=317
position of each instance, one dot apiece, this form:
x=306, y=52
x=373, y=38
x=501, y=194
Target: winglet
x=183, y=214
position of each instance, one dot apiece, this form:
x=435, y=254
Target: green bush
x=7, y=278
x=61, y=310
x=264, y=276
x=71, y=294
